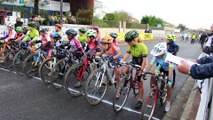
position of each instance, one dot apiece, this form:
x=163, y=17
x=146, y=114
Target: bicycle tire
x=94, y=99
x=69, y=84
x=18, y=62
x=58, y=82
x=44, y=71
x=148, y=107
x=124, y=91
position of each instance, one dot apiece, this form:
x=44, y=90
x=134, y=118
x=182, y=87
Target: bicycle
x=95, y=87
x=158, y=91
x=77, y=74
x=32, y=63
x=52, y=70
x=19, y=58
x=10, y=49
x=127, y=83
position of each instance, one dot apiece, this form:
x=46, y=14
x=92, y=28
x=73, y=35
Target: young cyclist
x=45, y=42
x=139, y=52
x=32, y=34
x=172, y=47
x=91, y=46
x=98, y=37
x=113, y=53
x=160, y=52
x=11, y=34
x=82, y=37
x=58, y=29
x=114, y=36
x=19, y=35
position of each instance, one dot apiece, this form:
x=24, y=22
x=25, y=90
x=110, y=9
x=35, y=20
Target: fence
x=205, y=110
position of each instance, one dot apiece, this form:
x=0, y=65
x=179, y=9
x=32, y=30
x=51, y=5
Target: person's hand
x=184, y=67
x=111, y=59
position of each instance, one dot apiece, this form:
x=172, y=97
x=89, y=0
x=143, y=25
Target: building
x=98, y=9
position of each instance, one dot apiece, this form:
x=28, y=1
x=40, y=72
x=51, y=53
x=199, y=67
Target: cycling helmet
x=56, y=36
x=32, y=24
x=10, y=25
x=82, y=30
x=71, y=32
x=170, y=37
x=59, y=26
x=159, y=49
x=43, y=30
x=91, y=33
x=113, y=35
x=19, y=29
x=107, y=39
x=95, y=27
x=131, y=35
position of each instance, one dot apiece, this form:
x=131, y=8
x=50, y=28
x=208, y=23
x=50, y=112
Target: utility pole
x=61, y=11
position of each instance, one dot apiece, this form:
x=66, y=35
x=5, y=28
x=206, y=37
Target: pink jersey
x=75, y=45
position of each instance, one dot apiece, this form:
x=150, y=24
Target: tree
x=151, y=20
x=36, y=7
x=109, y=17
x=182, y=27
x=118, y=16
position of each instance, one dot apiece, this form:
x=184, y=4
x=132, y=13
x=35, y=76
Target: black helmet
x=71, y=32
x=113, y=35
x=43, y=30
x=131, y=35
x=82, y=30
x=32, y=24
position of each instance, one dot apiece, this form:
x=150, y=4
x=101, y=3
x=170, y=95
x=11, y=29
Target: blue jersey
x=162, y=64
x=173, y=48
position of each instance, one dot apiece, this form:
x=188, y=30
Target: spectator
x=19, y=23
x=203, y=38
x=202, y=71
x=208, y=49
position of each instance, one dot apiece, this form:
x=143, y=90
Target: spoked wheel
x=121, y=95
x=46, y=71
x=57, y=74
x=135, y=89
x=95, y=87
x=18, y=61
x=72, y=82
x=30, y=69
x=8, y=59
x=148, y=107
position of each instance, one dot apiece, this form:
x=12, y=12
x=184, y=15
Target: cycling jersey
x=33, y=34
x=162, y=63
x=115, y=42
x=45, y=40
x=138, y=50
x=172, y=48
x=113, y=51
x=91, y=46
x=10, y=35
x=75, y=45
x=82, y=38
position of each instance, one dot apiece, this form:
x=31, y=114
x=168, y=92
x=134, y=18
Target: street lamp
x=61, y=11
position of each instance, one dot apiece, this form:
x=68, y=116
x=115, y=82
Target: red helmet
x=58, y=25
x=95, y=27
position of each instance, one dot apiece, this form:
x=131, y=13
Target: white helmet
x=159, y=49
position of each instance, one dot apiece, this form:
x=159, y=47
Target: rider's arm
x=201, y=71
x=144, y=56
x=35, y=38
x=100, y=54
x=151, y=64
x=20, y=38
x=117, y=55
x=126, y=56
x=144, y=63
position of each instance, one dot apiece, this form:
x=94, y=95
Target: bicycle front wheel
x=121, y=95
x=18, y=61
x=148, y=107
x=74, y=80
x=95, y=87
x=29, y=67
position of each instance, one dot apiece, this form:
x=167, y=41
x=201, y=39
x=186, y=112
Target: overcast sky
x=193, y=13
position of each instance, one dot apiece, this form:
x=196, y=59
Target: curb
x=180, y=108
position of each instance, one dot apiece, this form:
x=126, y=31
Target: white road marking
x=104, y=101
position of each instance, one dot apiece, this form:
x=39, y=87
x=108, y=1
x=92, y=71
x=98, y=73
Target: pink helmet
x=95, y=27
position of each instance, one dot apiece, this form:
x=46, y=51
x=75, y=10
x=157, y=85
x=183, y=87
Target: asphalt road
x=29, y=99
